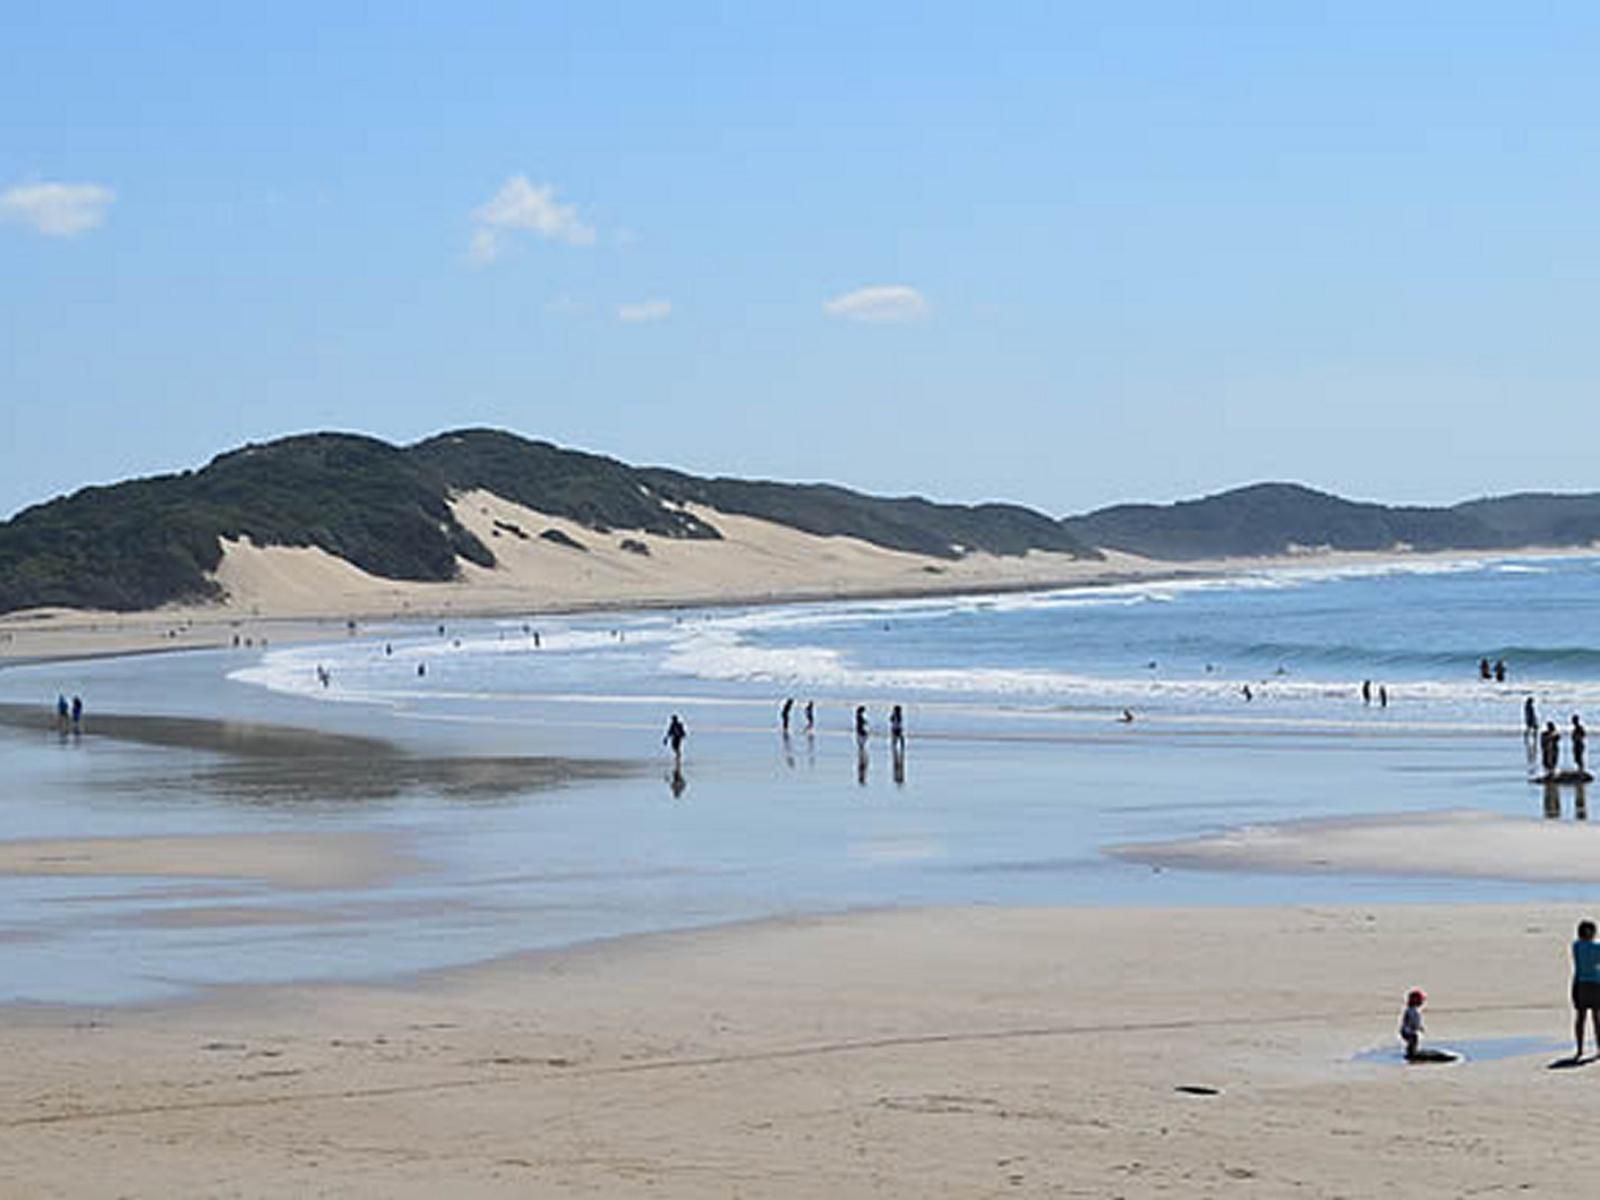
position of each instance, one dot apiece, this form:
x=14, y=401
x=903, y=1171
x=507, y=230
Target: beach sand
x=975, y=1052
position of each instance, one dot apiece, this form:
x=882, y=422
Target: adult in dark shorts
x=1585, y=985
x=1580, y=740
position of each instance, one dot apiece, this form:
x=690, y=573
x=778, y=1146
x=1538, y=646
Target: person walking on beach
x=674, y=738
x=897, y=728
x=783, y=714
x=1550, y=748
x=61, y=712
x=1366, y=691
x=1530, y=719
x=77, y=714
x=811, y=716
x=861, y=723
x=1585, y=986
x=1580, y=739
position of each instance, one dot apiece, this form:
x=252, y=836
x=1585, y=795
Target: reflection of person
x=1585, y=985
x=61, y=712
x=674, y=737
x=1411, y=1022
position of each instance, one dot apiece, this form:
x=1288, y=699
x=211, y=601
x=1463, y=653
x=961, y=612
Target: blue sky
x=1059, y=254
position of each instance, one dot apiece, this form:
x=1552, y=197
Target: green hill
x=385, y=509
x=1274, y=518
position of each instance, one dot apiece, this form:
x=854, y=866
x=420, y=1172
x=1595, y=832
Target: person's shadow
x=1575, y=1060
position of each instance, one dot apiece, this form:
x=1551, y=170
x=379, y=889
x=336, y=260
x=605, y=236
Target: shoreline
x=41, y=636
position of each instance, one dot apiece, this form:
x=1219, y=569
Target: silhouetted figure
x=1530, y=719
x=77, y=716
x=783, y=714
x=897, y=727
x=1499, y=670
x=62, y=713
x=535, y=639
x=1127, y=716
x=1383, y=696
x=1247, y=693
x=1485, y=671
x=811, y=716
x=1580, y=739
x=674, y=738
x=1366, y=691
x=1550, y=748
x=422, y=670
x=861, y=722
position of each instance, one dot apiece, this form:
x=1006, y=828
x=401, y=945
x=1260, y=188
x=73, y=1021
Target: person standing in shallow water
x=1580, y=739
x=1530, y=718
x=674, y=738
x=897, y=727
x=783, y=713
x=1550, y=748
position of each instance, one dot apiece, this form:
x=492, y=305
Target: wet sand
x=1465, y=845
x=942, y=1053
x=266, y=761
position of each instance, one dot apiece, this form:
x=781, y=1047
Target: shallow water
x=1016, y=773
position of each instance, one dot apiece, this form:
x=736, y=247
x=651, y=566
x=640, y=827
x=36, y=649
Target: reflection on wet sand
x=277, y=763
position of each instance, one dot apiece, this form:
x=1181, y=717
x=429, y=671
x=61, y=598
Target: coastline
x=55, y=635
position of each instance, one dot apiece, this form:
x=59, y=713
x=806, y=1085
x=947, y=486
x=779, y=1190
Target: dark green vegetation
x=148, y=542
x=1272, y=518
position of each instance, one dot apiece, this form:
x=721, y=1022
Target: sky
x=1059, y=254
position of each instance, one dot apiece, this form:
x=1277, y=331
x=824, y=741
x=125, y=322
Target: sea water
x=1019, y=768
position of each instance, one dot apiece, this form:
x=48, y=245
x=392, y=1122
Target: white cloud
x=523, y=205
x=645, y=310
x=884, y=304
x=57, y=209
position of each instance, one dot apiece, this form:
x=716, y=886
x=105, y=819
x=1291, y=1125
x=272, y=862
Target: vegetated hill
x=1275, y=518
x=385, y=509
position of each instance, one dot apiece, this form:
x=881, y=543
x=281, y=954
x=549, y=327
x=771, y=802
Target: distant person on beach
x=1411, y=1027
x=1585, y=985
x=1127, y=716
x=1530, y=718
x=674, y=737
x=897, y=727
x=62, y=712
x=77, y=715
x=1580, y=739
x=861, y=722
x=1550, y=748
x=1383, y=696
x=1246, y=692
x=1499, y=670
x=1366, y=691
x=783, y=714
x=1485, y=671
x=422, y=670
x=811, y=716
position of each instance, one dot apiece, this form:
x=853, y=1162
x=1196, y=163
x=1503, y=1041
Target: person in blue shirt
x=1585, y=984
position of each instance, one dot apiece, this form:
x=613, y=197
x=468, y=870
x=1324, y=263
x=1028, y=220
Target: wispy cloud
x=521, y=205
x=57, y=209
x=645, y=310
x=884, y=304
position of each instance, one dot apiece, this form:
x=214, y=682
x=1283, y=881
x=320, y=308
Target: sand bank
x=919, y=1054
x=1468, y=844
x=321, y=860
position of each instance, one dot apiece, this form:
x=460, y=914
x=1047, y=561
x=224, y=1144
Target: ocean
x=1019, y=767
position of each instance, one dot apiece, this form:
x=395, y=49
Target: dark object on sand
x=1568, y=776
x=1428, y=1054
x=562, y=539
x=1197, y=1089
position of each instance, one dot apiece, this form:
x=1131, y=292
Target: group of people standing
x=69, y=716
x=1549, y=741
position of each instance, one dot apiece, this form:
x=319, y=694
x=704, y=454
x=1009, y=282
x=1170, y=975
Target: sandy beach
x=933, y=1053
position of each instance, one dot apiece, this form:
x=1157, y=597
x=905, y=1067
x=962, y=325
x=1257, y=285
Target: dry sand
x=969, y=1053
